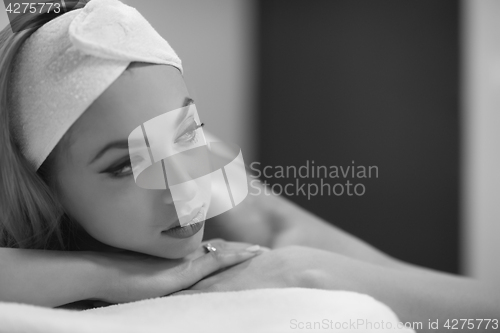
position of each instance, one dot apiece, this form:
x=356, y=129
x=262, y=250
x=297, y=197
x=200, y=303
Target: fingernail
x=253, y=248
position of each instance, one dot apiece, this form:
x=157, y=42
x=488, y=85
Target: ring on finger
x=209, y=248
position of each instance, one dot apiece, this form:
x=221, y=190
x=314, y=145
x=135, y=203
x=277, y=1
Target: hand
x=291, y=266
x=134, y=276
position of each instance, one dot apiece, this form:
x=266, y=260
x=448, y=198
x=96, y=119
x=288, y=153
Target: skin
x=107, y=204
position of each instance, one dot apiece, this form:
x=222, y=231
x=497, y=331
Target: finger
x=221, y=243
x=194, y=271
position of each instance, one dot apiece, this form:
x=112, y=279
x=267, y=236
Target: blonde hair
x=31, y=216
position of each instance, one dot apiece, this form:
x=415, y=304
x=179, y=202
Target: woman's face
x=100, y=192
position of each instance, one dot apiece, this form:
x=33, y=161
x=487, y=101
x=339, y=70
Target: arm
x=416, y=296
x=414, y=293
x=47, y=278
x=55, y=278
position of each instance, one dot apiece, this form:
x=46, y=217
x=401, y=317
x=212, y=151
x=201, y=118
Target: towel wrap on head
x=63, y=67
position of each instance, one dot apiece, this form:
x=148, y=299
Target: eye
x=189, y=133
x=121, y=170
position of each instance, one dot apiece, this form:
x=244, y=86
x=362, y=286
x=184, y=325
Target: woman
x=86, y=203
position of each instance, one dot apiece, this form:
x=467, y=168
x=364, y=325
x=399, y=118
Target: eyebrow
x=123, y=144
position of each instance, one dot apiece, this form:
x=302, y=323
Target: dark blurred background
x=377, y=83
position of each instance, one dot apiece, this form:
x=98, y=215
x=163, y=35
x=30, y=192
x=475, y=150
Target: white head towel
x=68, y=62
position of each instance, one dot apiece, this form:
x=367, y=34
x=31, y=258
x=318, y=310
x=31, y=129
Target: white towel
x=252, y=311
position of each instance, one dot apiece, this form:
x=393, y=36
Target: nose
x=181, y=187
x=184, y=192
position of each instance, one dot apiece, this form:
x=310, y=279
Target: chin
x=181, y=248
x=179, y=253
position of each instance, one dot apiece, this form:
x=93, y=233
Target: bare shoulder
x=259, y=219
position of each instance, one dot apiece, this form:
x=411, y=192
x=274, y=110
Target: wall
x=481, y=152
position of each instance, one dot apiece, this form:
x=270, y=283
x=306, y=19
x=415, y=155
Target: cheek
x=111, y=211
